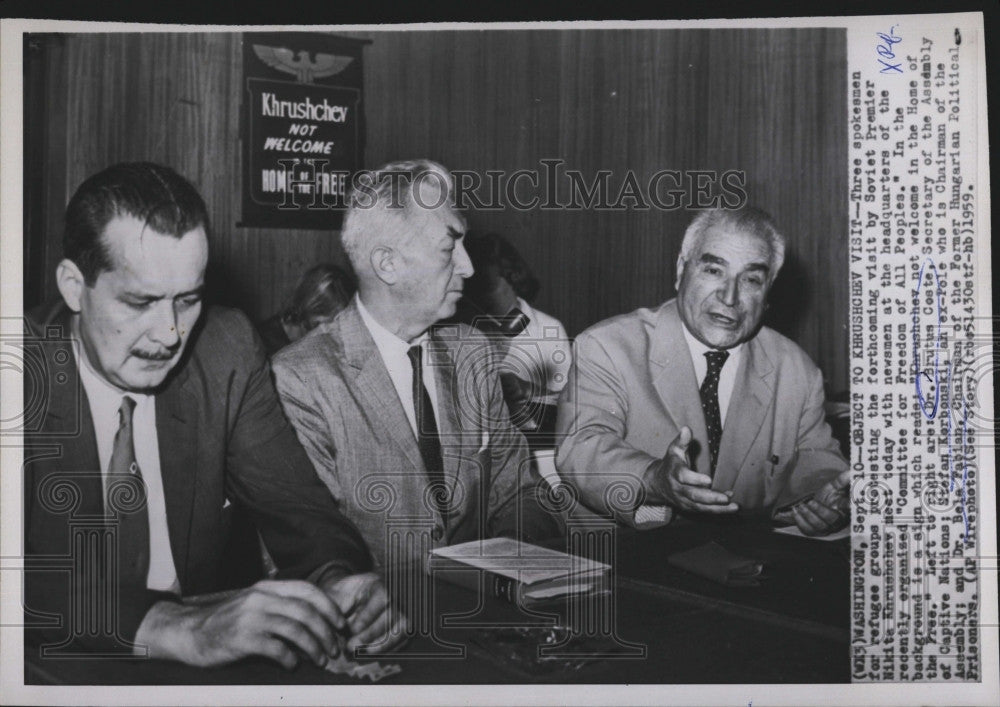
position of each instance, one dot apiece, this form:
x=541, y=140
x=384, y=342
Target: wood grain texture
x=771, y=103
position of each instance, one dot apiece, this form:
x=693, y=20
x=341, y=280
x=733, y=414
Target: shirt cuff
x=652, y=516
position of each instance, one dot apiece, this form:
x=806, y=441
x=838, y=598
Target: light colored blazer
x=633, y=387
x=337, y=393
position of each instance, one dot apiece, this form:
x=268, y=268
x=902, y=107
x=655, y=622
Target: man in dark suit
x=742, y=404
x=158, y=420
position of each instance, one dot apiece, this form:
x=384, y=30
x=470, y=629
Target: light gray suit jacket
x=633, y=387
x=338, y=395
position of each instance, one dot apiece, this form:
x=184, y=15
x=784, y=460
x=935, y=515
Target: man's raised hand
x=674, y=483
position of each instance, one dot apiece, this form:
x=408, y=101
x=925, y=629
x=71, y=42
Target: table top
x=665, y=626
x=803, y=578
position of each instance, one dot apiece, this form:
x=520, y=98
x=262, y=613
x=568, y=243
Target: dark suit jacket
x=223, y=442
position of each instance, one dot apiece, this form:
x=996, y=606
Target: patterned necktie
x=427, y=431
x=129, y=503
x=710, y=402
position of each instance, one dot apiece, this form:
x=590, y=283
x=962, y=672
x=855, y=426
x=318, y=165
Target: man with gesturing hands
x=696, y=406
x=165, y=420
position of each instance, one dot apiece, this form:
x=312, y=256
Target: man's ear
x=70, y=282
x=383, y=262
x=680, y=271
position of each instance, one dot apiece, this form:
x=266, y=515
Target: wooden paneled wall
x=769, y=103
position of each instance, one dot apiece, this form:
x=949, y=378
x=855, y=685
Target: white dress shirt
x=651, y=516
x=105, y=400
x=727, y=378
x=394, y=353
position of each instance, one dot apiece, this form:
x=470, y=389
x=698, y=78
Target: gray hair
x=381, y=201
x=748, y=220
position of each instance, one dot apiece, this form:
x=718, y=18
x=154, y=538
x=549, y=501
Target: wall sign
x=303, y=128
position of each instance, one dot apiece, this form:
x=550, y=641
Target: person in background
x=696, y=404
x=537, y=353
x=165, y=419
x=322, y=291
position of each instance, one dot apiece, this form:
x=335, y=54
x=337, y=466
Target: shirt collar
x=387, y=343
x=698, y=349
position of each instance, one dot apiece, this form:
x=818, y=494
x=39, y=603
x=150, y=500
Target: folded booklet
x=714, y=562
x=519, y=572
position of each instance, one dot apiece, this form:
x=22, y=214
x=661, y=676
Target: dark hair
x=156, y=195
x=493, y=256
x=322, y=292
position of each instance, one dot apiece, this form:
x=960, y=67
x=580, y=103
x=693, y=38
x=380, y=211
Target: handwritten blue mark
x=933, y=376
x=885, y=52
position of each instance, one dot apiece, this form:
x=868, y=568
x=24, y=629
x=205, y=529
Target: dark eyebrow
x=709, y=258
x=150, y=297
x=455, y=233
x=145, y=296
x=199, y=290
x=716, y=260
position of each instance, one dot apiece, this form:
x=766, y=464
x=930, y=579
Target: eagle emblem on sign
x=299, y=64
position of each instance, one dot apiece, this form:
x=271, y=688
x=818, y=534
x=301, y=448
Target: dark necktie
x=427, y=431
x=130, y=504
x=710, y=402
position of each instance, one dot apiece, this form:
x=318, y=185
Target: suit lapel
x=69, y=414
x=68, y=422
x=177, y=437
x=374, y=384
x=674, y=379
x=752, y=396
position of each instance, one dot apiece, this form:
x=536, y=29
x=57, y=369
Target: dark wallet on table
x=714, y=562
